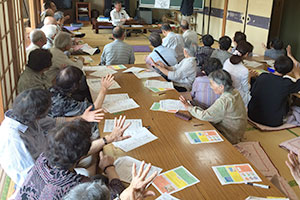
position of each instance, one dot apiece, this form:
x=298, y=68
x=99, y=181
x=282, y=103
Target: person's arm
x=106, y=164
x=132, y=58
x=294, y=166
x=106, y=82
x=89, y=115
x=289, y=54
x=103, y=57
x=137, y=187
x=116, y=135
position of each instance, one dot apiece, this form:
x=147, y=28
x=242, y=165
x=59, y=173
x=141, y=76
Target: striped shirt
x=202, y=93
x=117, y=52
x=175, y=41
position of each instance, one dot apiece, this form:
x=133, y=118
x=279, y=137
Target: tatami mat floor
x=269, y=140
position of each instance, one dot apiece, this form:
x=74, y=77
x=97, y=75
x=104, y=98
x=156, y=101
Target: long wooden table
x=172, y=149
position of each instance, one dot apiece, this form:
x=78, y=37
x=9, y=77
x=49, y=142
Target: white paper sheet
x=115, y=97
x=162, y=4
x=253, y=64
x=166, y=196
x=95, y=85
x=133, y=69
x=171, y=104
x=123, y=167
x=137, y=26
x=138, y=138
x=88, y=59
x=103, y=72
x=93, y=68
x=120, y=106
x=270, y=62
x=159, y=84
x=135, y=124
x=144, y=74
x=88, y=49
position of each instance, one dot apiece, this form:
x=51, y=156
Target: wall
x=290, y=29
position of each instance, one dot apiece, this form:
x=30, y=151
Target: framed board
x=174, y=4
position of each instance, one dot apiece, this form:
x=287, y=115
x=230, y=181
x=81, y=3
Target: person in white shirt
x=50, y=32
x=38, y=40
x=118, y=15
x=173, y=41
x=239, y=73
x=184, y=73
x=188, y=35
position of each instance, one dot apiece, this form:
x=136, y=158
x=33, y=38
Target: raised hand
x=118, y=131
x=93, y=116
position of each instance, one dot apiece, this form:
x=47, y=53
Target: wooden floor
x=269, y=140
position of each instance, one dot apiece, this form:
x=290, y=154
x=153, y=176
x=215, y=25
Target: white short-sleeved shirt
x=175, y=41
x=117, y=16
x=15, y=159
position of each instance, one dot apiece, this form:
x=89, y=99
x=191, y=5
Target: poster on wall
x=162, y=4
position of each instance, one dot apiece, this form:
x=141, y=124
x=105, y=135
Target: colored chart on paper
x=158, y=89
x=117, y=67
x=174, y=180
x=157, y=107
x=198, y=137
x=234, y=174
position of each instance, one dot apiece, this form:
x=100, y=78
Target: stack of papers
x=138, y=138
x=124, y=164
x=158, y=86
x=103, y=71
x=174, y=180
x=252, y=64
x=135, y=124
x=157, y=107
x=137, y=26
x=121, y=105
x=103, y=19
x=88, y=59
x=95, y=85
x=88, y=49
x=116, y=67
x=146, y=74
x=115, y=97
x=134, y=70
x=171, y=104
x=199, y=137
x=233, y=174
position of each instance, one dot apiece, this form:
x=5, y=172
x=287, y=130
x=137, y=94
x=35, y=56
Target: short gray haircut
x=184, y=24
x=36, y=35
x=89, y=191
x=190, y=48
x=62, y=40
x=222, y=77
x=118, y=32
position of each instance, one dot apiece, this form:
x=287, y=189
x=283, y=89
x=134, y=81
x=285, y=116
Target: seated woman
x=66, y=84
x=53, y=174
x=182, y=74
x=26, y=125
x=202, y=93
x=239, y=73
x=228, y=113
x=33, y=75
x=160, y=53
x=270, y=93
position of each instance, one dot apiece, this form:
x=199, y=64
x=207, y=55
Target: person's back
x=175, y=41
x=168, y=54
x=276, y=49
x=190, y=35
x=204, y=52
x=117, y=52
x=222, y=54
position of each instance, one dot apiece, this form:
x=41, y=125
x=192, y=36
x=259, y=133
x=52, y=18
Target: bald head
x=118, y=33
x=50, y=20
x=184, y=24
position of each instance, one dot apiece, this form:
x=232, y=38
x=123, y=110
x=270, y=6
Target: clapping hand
x=106, y=82
x=118, y=131
x=92, y=116
x=294, y=166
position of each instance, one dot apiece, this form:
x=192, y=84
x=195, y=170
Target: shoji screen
x=12, y=51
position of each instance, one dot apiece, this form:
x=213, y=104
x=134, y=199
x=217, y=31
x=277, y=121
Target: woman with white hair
x=184, y=73
x=228, y=113
x=50, y=31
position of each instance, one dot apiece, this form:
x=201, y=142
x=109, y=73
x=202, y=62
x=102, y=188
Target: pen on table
x=198, y=124
x=161, y=93
x=258, y=185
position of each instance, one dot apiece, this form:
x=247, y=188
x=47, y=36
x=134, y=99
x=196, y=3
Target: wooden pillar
x=1, y=105
x=34, y=16
x=224, y=17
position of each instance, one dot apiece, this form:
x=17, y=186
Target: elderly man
x=188, y=35
x=50, y=32
x=184, y=73
x=117, y=52
x=38, y=40
x=118, y=15
x=173, y=41
x=160, y=53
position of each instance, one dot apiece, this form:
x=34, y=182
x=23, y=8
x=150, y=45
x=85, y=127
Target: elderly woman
x=33, y=75
x=228, y=113
x=24, y=129
x=62, y=43
x=50, y=32
x=53, y=174
x=182, y=74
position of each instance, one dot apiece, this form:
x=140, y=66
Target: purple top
x=202, y=93
x=45, y=182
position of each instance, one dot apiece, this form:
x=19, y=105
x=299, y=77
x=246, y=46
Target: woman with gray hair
x=182, y=74
x=62, y=43
x=228, y=113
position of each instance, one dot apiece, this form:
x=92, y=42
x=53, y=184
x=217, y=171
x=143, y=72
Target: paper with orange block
x=174, y=180
x=199, y=137
x=234, y=174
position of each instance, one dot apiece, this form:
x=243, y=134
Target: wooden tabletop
x=172, y=148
